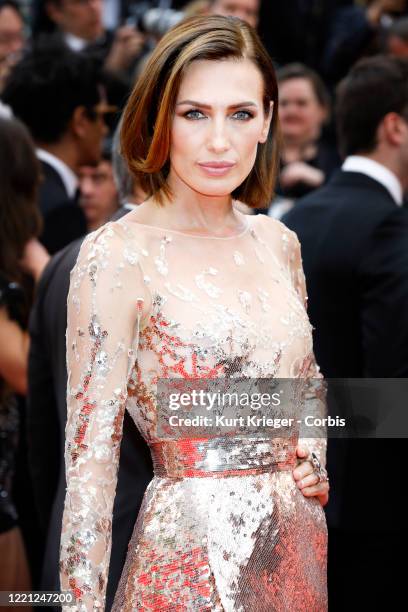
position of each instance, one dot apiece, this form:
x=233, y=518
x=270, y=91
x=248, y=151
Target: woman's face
x=300, y=113
x=217, y=125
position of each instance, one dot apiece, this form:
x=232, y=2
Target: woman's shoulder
x=113, y=235
x=111, y=259
x=274, y=229
x=112, y=231
x=112, y=246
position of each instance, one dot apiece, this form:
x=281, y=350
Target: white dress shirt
x=67, y=176
x=74, y=42
x=376, y=171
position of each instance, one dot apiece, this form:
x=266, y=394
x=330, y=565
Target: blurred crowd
x=66, y=69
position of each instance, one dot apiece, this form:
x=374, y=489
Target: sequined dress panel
x=222, y=525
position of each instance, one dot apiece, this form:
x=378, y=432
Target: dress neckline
x=189, y=235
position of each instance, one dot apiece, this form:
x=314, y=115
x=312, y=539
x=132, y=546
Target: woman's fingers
x=305, y=467
x=302, y=470
x=302, y=452
x=307, y=481
x=316, y=490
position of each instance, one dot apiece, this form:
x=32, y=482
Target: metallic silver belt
x=222, y=456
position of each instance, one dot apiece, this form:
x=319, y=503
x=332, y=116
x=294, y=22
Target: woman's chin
x=214, y=188
x=213, y=192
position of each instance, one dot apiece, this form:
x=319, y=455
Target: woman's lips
x=216, y=168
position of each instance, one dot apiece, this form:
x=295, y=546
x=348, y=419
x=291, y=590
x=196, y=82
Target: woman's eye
x=194, y=114
x=242, y=115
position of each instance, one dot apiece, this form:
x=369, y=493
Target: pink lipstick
x=216, y=168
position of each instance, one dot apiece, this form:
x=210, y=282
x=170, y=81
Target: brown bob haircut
x=147, y=118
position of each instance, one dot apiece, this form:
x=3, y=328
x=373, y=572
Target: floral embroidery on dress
x=204, y=284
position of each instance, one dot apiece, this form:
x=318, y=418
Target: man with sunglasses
x=60, y=96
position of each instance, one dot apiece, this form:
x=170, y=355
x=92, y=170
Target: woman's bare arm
x=14, y=345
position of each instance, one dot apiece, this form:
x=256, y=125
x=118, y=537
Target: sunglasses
x=103, y=111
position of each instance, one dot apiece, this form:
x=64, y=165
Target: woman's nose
x=218, y=140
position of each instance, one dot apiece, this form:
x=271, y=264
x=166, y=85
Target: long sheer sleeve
x=313, y=430
x=107, y=304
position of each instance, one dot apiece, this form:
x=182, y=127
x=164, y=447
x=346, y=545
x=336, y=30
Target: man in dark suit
x=58, y=94
x=47, y=415
x=354, y=238
x=298, y=30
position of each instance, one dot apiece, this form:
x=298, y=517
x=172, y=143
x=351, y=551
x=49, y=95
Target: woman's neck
x=189, y=210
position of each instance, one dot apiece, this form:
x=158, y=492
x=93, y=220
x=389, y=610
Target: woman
x=304, y=109
x=186, y=289
x=19, y=252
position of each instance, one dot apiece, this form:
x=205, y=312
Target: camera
x=151, y=19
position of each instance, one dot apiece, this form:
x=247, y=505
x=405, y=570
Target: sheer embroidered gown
x=222, y=524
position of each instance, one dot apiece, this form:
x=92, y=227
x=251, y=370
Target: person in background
x=197, y=7
x=47, y=411
x=66, y=88
x=307, y=160
x=12, y=37
x=98, y=193
x=297, y=31
x=247, y=10
x=130, y=191
x=353, y=233
x=79, y=24
x=22, y=260
x=357, y=31
x=397, y=41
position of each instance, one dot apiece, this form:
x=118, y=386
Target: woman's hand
x=306, y=479
x=14, y=347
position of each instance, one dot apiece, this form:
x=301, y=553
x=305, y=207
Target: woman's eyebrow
x=202, y=105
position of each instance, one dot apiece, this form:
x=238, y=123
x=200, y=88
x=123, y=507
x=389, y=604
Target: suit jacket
x=46, y=429
x=64, y=220
x=354, y=243
x=297, y=31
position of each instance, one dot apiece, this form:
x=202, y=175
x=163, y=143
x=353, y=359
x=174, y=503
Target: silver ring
x=318, y=469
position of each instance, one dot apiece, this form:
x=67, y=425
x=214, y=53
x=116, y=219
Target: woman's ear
x=267, y=124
